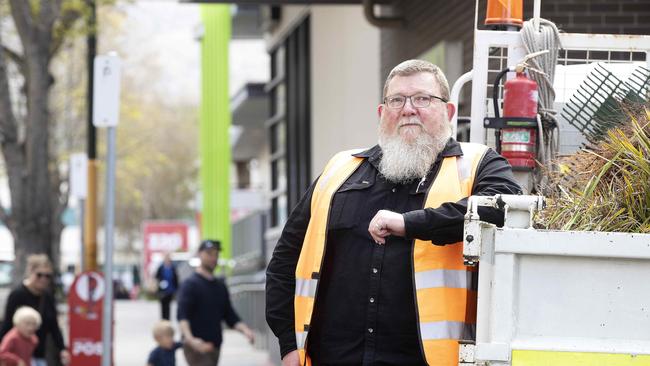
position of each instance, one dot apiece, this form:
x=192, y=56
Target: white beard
x=404, y=162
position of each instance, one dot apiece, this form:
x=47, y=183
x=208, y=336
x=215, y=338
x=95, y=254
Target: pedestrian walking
x=165, y=353
x=35, y=293
x=369, y=267
x=167, y=285
x=203, y=303
x=18, y=345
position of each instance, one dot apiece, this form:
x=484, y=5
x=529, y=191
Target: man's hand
x=386, y=223
x=197, y=344
x=249, y=335
x=291, y=359
x=206, y=347
x=246, y=331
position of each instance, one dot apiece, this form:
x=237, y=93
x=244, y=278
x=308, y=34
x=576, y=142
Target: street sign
x=85, y=309
x=106, y=90
x=162, y=237
x=78, y=175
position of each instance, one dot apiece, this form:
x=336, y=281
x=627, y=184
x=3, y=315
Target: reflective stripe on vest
x=445, y=292
x=337, y=171
x=444, y=286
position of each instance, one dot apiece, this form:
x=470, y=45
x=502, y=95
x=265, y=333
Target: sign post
x=85, y=306
x=106, y=111
x=79, y=189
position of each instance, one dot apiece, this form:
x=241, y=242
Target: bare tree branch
x=8, y=131
x=14, y=56
x=49, y=13
x=66, y=22
x=22, y=14
x=18, y=59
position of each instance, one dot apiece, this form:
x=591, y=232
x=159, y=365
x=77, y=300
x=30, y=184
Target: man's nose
x=408, y=108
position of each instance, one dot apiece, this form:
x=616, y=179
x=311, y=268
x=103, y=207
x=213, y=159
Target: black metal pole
x=91, y=52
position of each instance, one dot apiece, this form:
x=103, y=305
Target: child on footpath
x=165, y=353
x=18, y=345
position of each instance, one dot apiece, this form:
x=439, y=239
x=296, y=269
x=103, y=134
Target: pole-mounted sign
x=85, y=308
x=106, y=112
x=106, y=90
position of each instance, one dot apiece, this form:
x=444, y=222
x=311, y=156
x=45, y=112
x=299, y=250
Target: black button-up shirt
x=365, y=309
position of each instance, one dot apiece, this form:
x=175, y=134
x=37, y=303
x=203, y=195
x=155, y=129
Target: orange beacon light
x=504, y=12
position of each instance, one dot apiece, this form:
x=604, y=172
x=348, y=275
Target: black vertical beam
x=91, y=42
x=304, y=108
x=293, y=137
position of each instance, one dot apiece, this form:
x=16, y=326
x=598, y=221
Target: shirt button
x=393, y=190
x=372, y=299
x=370, y=330
x=374, y=270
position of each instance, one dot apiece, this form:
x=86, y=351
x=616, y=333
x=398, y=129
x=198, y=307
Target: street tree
x=37, y=195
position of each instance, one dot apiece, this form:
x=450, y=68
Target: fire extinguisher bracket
x=509, y=122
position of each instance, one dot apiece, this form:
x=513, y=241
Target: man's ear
x=380, y=110
x=451, y=109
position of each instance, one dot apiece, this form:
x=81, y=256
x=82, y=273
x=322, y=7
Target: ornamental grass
x=604, y=186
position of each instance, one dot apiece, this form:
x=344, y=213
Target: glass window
x=289, y=122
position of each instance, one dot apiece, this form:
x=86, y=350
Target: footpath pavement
x=133, y=340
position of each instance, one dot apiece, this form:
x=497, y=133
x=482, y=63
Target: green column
x=215, y=122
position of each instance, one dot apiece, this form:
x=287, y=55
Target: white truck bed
x=561, y=297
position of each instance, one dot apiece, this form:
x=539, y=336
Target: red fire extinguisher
x=519, y=144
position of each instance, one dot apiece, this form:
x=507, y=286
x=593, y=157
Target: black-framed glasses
x=42, y=274
x=417, y=100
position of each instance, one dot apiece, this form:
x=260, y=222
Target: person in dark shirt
x=368, y=269
x=34, y=292
x=167, y=284
x=203, y=303
x=165, y=353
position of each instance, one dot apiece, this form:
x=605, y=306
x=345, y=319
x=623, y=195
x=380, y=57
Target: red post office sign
x=162, y=237
x=85, y=306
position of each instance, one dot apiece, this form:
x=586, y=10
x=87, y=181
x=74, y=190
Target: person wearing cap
x=203, y=303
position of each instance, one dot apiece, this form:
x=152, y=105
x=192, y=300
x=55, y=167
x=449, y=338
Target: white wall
x=345, y=83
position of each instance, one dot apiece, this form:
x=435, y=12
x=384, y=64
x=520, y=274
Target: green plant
x=605, y=187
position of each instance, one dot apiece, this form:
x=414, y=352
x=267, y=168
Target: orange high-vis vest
x=446, y=302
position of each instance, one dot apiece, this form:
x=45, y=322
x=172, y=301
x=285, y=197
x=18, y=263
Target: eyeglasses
x=46, y=275
x=417, y=100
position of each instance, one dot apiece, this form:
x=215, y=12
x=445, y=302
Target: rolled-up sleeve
x=444, y=224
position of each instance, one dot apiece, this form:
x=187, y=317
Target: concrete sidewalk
x=133, y=340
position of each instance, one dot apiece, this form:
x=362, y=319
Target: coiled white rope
x=538, y=35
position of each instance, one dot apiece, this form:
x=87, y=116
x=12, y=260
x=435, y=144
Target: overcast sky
x=161, y=34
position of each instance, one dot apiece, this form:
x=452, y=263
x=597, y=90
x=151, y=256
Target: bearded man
x=369, y=268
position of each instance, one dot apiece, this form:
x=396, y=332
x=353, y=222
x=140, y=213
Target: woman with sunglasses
x=35, y=292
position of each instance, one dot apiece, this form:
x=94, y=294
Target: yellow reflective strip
x=555, y=358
